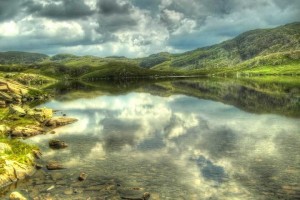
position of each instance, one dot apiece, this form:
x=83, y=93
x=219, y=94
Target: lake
x=176, y=139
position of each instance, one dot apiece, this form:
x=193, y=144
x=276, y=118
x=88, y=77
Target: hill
x=273, y=51
x=17, y=57
x=249, y=45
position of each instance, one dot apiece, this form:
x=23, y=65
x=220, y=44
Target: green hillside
x=244, y=50
x=263, y=51
x=17, y=57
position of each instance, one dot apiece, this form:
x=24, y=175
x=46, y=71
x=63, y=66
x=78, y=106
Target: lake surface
x=174, y=146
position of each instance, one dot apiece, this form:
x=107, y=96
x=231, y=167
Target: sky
x=133, y=28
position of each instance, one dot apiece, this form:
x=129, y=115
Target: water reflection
x=180, y=147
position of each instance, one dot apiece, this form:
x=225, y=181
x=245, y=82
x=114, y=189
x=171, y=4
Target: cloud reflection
x=213, y=150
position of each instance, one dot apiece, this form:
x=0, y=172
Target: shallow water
x=175, y=147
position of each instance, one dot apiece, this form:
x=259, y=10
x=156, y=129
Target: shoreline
x=19, y=121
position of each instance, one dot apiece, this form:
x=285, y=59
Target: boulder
x=53, y=165
x=27, y=131
x=59, y=121
x=42, y=114
x=13, y=109
x=16, y=196
x=57, y=144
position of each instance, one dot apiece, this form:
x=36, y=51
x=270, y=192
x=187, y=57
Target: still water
x=174, y=147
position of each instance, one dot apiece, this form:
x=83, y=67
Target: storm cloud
x=133, y=28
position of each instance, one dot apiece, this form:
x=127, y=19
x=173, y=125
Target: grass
x=20, y=152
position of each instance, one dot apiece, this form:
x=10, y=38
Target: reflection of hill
x=258, y=96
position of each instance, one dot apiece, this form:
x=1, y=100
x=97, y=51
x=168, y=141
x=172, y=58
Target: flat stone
x=13, y=109
x=3, y=88
x=54, y=166
x=16, y=196
x=68, y=191
x=60, y=121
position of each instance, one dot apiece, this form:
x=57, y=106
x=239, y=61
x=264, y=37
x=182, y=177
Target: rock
x=2, y=104
x=4, y=130
x=37, y=154
x=68, y=191
x=51, y=187
x=13, y=109
x=59, y=121
x=57, y=144
x=146, y=196
x=16, y=196
x=42, y=114
x=54, y=166
x=3, y=87
x=133, y=194
x=27, y=131
x=13, y=171
x=82, y=176
x=4, y=147
x=6, y=97
x=38, y=166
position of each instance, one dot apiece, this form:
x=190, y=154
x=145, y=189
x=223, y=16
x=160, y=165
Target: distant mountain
x=263, y=51
x=17, y=57
x=249, y=45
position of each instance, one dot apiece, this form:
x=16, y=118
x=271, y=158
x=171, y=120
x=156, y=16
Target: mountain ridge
x=268, y=48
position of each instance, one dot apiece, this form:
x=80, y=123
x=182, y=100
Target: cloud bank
x=133, y=28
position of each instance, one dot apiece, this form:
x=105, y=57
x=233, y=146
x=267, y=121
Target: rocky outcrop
x=42, y=114
x=60, y=121
x=17, y=110
x=27, y=131
x=15, y=93
x=14, y=171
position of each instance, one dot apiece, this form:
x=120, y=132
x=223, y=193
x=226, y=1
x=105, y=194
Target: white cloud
x=9, y=29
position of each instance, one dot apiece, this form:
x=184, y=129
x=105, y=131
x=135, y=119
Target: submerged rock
x=57, y=144
x=133, y=194
x=54, y=166
x=37, y=154
x=16, y=196
x=82, y=176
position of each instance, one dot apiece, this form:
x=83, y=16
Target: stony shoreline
x=19, y=121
